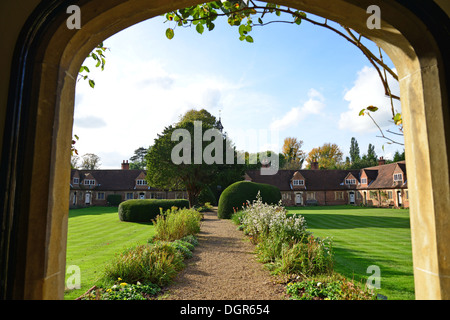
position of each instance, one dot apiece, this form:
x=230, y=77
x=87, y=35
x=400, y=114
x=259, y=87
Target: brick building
x=382, y=185
x=92, y=187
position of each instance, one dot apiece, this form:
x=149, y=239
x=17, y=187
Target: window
x=389, y=195
x=339, y=195
x=350, y=181
x=407, y=195
x=310, y=196
x=100, y=196
x=298, y=182
x=89, y=182
x=398, y=177
x=141, y=182
x=363, y=180
x=76, y=180
x=358, y=195
x=129, y=195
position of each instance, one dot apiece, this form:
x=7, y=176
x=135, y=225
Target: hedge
x=114, y=199
x=235, y=195
x=145, y=210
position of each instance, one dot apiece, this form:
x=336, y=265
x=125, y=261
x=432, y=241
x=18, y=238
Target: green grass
x=367, y=236
x=95, y=235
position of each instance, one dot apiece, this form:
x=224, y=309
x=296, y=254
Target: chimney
x=125, y=165
x=381, y=161
x=314, y=165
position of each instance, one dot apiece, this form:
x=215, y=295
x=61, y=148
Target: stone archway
x=39, y=116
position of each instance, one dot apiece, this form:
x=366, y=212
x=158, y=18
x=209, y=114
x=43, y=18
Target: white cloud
x=314, y=105
x=368, y=91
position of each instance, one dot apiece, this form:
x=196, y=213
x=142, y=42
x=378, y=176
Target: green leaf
x=211, y=26
x=242, y=30
x=249, y=39
x=169, y=33
x=91, y=83
x=361, y=113
x=260, y=21
x=398, y=119
x=372, y=108
x=200, y=28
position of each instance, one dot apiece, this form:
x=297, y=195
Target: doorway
x=41, y=100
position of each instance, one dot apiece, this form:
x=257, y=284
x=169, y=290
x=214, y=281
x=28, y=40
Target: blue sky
x=293, y=81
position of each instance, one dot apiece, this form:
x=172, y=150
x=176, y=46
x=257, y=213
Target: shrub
x=206, y=195
x=145, y=210
x=114, y=199
x=156, y=263
x=126, y=291
x=311, y=258
x=283, y=240
x=177, y=223
x=335, y=288
x=238, y=194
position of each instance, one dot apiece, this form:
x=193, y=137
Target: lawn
x=364, y=237
x=95, y=235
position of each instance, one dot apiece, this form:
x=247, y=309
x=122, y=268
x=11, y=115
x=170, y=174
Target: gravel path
x=224, y=267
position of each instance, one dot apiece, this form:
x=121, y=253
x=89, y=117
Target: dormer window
x=350, y=181
x=363, y=180
x=298, y=182
x=141, y=182
x=398, y=177
x=89, y=182
x=76, y=180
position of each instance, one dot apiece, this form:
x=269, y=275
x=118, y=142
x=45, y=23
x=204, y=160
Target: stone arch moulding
x=34, y=179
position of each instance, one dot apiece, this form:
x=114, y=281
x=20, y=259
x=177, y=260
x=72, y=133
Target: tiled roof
x=314, y=179
x=380, y=177
x=109, y=180
x=385, y=173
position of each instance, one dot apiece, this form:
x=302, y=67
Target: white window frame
x=311, y=195
x=76, y=180
x=141, y=182
x=363, y=180
x=298, y=182
x=350, y=181
x=339, y=195
x=398, y=176
x=89, y=182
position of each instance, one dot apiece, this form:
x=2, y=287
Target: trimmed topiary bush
x=237, y=194
x=145, y=210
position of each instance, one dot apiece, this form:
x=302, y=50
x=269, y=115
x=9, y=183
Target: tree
x=328, y=156
x=371, y=155
x=138, y=161
x=199, y=115
x=90, y=161
x=354, y=151
x=173, y=162
x=399, y=156
x=293, y=154
x=74, y=161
